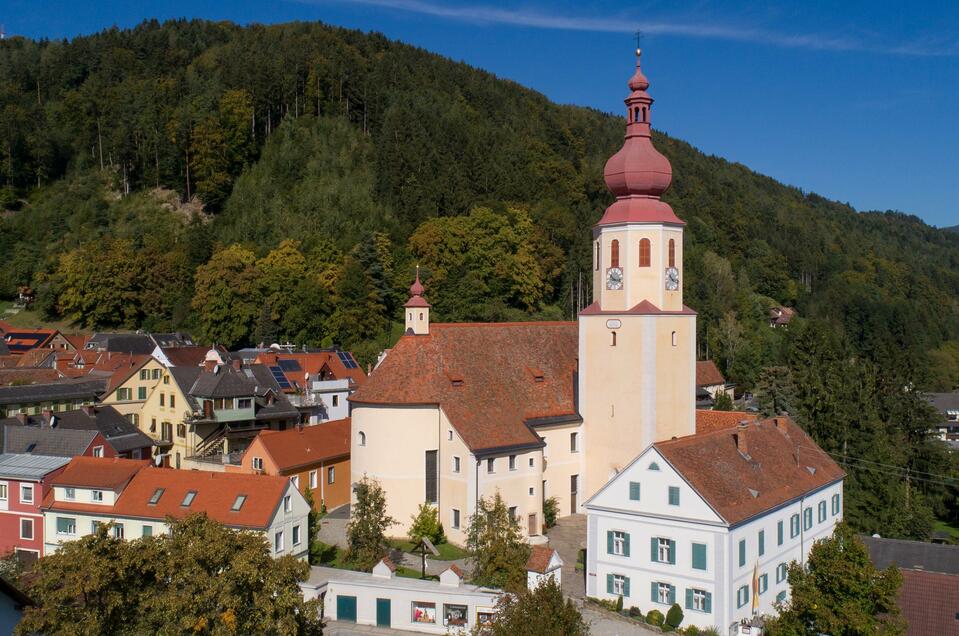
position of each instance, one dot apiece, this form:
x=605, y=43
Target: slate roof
x=783, y=464
x=82, y=389
x=121, y=342
x=122, y=434
x=216, y=493
x=253, y=381
x=913, y=555
x=46, y=441
x=944, y=402
x=930, y=603
x=708, y=420
x=98, y=472
x=222, y=384
x=708, y=374
x=296, y=447
x=31, y=467
x=482, y=376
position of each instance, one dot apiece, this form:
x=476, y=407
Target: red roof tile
x=297, y=447
x=27, y=375
x=643, y=308
x=539, y=558
x=478, y=373
x=708, y=374
x=186, y=356
x=782, y=464
x=930, y=603
x=316, y=363
x=708, y=421
x=98, y=472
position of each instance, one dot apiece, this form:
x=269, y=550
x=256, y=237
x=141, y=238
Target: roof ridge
x=547, y=323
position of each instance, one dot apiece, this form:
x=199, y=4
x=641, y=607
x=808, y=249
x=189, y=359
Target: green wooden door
x=382, y=612
x=346, y=608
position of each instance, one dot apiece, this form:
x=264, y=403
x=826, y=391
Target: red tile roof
x=98, y=472
x=495, y=393
x=930, y=603
x=708, y=421
x=539, y=558
x=216, y=494
x=186, y=356
x=708, y=374
x=782, y=464
x=76, y=340
x=34, y=357
x=309, y=445
x=27, y=375
x=316, y=363
x=119, y=366
x=643, y=308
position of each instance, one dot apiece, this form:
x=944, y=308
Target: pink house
x=24, y=483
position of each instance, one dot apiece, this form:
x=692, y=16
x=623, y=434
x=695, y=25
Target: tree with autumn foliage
x=498, y=553
x=201, y=578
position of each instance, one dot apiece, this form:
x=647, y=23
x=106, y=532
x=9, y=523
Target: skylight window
x=188, y=499
x=155, y=497
x=238, y=503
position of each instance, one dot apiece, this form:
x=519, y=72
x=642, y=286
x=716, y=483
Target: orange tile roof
x=120, y=366
x=929, y=602
x=539, y=558
x=309, y=445
x=708, y=374
x=34, y=357
x=313, y=363
x=186, y=356
x=495, y=393
x=76, y=340
x=783, y=464
x=708, y=421
x=27, y=375
x=98, y=472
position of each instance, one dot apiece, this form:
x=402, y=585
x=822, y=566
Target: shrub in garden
x=655, y=617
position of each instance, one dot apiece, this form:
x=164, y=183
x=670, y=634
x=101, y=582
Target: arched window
x=421, y=315
x=644, y=253
x=636, y=114
x=675, y=340
x=672, y=253
x=613, y=344
x=362, y=438
x=614, y=253
x=596, y=258
x=411, y=316
x=644, y=113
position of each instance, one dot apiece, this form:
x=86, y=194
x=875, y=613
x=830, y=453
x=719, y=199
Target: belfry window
x=672, y=253
x=645, y=250
x=614, y=339
x=614, y=253
x=636, y=114
x=596, y=258
x=644, y=113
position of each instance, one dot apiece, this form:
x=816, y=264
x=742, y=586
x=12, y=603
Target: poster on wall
x=484, y=616
x=424, y=612
x=455, y=614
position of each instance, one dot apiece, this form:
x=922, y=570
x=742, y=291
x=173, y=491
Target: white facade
x=387, y=600
x=669, y=545
x=61, y=526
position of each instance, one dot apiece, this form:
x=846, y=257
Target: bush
x=655, y=617
x=635, y=613
x=426, y=523
x=674, y=617
x=692, y=630
x=550, y=511
x=619, y=603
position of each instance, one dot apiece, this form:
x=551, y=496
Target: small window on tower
x=421, y=315
x=672, y=253
x=614, y=253
x=644, y=253
x=614, y=339
x=675, y=340
x=596, y=257
x=636, y=114
x=644, y=113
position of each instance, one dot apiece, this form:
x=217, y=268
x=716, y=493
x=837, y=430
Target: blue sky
x=855, y=100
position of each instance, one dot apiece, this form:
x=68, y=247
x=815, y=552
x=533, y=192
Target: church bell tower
x=637, y=339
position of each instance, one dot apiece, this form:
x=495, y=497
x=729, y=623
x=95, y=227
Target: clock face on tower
x=614, y=278
x=672, y=279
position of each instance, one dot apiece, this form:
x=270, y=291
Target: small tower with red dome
x=417, y=309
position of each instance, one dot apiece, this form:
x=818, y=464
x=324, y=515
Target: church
x=457, y=412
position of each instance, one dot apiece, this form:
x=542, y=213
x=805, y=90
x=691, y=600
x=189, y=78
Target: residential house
x=318, y=383
x=122, y=438
x=131, y=382
x=947, y=405
x=56, y=442
x=315, y=457
x=56, y=396
x=711, y=521
x=781, y=316
x=190, y=356
x=384, y=599
x=141, y=343
x=205, y=417
x=12, y=603
x=137, y=499
x=710, y=379
x=929, y=595
x=20, y=341
x=24, y=481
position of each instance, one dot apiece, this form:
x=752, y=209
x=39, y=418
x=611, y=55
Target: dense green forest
x=273, y=183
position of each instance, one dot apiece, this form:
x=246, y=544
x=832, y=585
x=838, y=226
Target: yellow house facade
x=129, y=394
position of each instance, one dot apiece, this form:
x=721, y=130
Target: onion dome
x=638, y=174
x=416, y=293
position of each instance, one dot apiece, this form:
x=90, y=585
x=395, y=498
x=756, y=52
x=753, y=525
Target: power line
x=891, y=469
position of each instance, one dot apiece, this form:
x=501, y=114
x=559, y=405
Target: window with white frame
x=456, y=518
x=793, y=526
x=66, y=525
x=662, y=550
x=3, y=491
x=312, y=479
x=295, y=479
x=287, y=504
x=278, y=542
x=512, y=462
x=763, y=583
x=619, y=584
x=257, y=463
x=807, y=519
x=663, y=594
x=619, y=542
x=296, y=535
x=822, y=511
x=96, y=495
x=98, y=451
x=456, y=464
x=742, y=596
x=117, y=530
x=781, y=573
x=26, y=493
x=699, y=600
x=26, y=529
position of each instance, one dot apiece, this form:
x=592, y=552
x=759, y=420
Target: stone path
x=568, y=537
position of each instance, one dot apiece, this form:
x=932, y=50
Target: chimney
x=22, y=418
x=236, y=363
x=741, y=445
x=209, y=365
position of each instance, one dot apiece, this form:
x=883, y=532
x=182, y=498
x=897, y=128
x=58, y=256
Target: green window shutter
x=609, y=583
x=779, y=533
x=699, y=556
x=653, y=552
x=634, y=490
x=762, y=542
x=609, y=542
x=626, y=586
x=654, y=592
x=672, y=594
x=689, y=598
x=742, y=552
x=626, y=544
x=672, y=552
x=709, y=602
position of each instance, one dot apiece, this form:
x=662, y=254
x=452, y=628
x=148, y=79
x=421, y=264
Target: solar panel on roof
x=280, y=378
x=289, y=365
x=347, y=359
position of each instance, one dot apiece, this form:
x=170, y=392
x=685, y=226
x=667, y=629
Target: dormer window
x=155, y=497
x=188, y=498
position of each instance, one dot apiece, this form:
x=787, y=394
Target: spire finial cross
x=639, y=37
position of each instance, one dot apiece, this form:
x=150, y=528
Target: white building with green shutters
x=711, y=521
